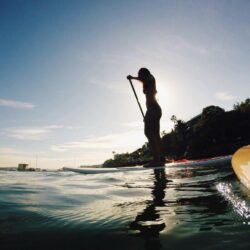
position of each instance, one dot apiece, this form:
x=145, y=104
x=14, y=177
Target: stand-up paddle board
x=212, y=161
x=241, y=165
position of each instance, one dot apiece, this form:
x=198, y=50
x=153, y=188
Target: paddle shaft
x=136, y=97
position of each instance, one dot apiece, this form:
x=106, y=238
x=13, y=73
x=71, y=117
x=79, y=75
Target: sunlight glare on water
x=238, y=204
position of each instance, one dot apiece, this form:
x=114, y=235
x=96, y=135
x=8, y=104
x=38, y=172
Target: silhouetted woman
x=152, y=117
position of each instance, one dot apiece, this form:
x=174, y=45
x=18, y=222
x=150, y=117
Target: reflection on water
x=161, y=209
x=148, y=222
x=188, y=197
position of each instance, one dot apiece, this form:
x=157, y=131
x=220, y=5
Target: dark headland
x=212, y=133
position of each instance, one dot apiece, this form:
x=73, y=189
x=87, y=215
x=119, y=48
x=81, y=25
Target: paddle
x=136, y=98
x=241, y=165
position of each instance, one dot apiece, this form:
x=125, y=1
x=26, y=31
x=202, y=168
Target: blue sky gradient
x=63, y=90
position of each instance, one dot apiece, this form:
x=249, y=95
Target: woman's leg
x=152, y=132
x=156, y=149
x=155, y=144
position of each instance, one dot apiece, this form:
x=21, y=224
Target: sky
x=64, y=96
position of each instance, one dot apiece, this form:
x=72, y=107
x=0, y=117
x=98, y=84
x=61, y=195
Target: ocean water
x=179, y=208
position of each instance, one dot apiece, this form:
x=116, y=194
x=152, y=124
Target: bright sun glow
x=162, y=93
x=165, y=97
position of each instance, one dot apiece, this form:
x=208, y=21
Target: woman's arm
x=129, y=77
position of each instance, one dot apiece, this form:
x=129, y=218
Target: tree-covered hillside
x=214, y=132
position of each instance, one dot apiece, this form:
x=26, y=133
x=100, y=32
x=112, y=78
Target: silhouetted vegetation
x=243, y=107
x=138, y=157
x=212, y=133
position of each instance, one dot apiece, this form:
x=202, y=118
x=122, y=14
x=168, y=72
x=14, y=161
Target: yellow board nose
x=241, y=165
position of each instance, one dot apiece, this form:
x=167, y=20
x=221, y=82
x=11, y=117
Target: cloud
x=113, y=86
x=134, y=125
x=31, y=133
x=224, y=96
x=9, y=151
x=122, y=141
x=16, y=104
x=173, y=48
x=182, y=44
x=34, y=134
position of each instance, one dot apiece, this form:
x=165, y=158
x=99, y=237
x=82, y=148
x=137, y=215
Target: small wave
x=239, y=205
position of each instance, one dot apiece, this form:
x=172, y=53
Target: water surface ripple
x=176, y=208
